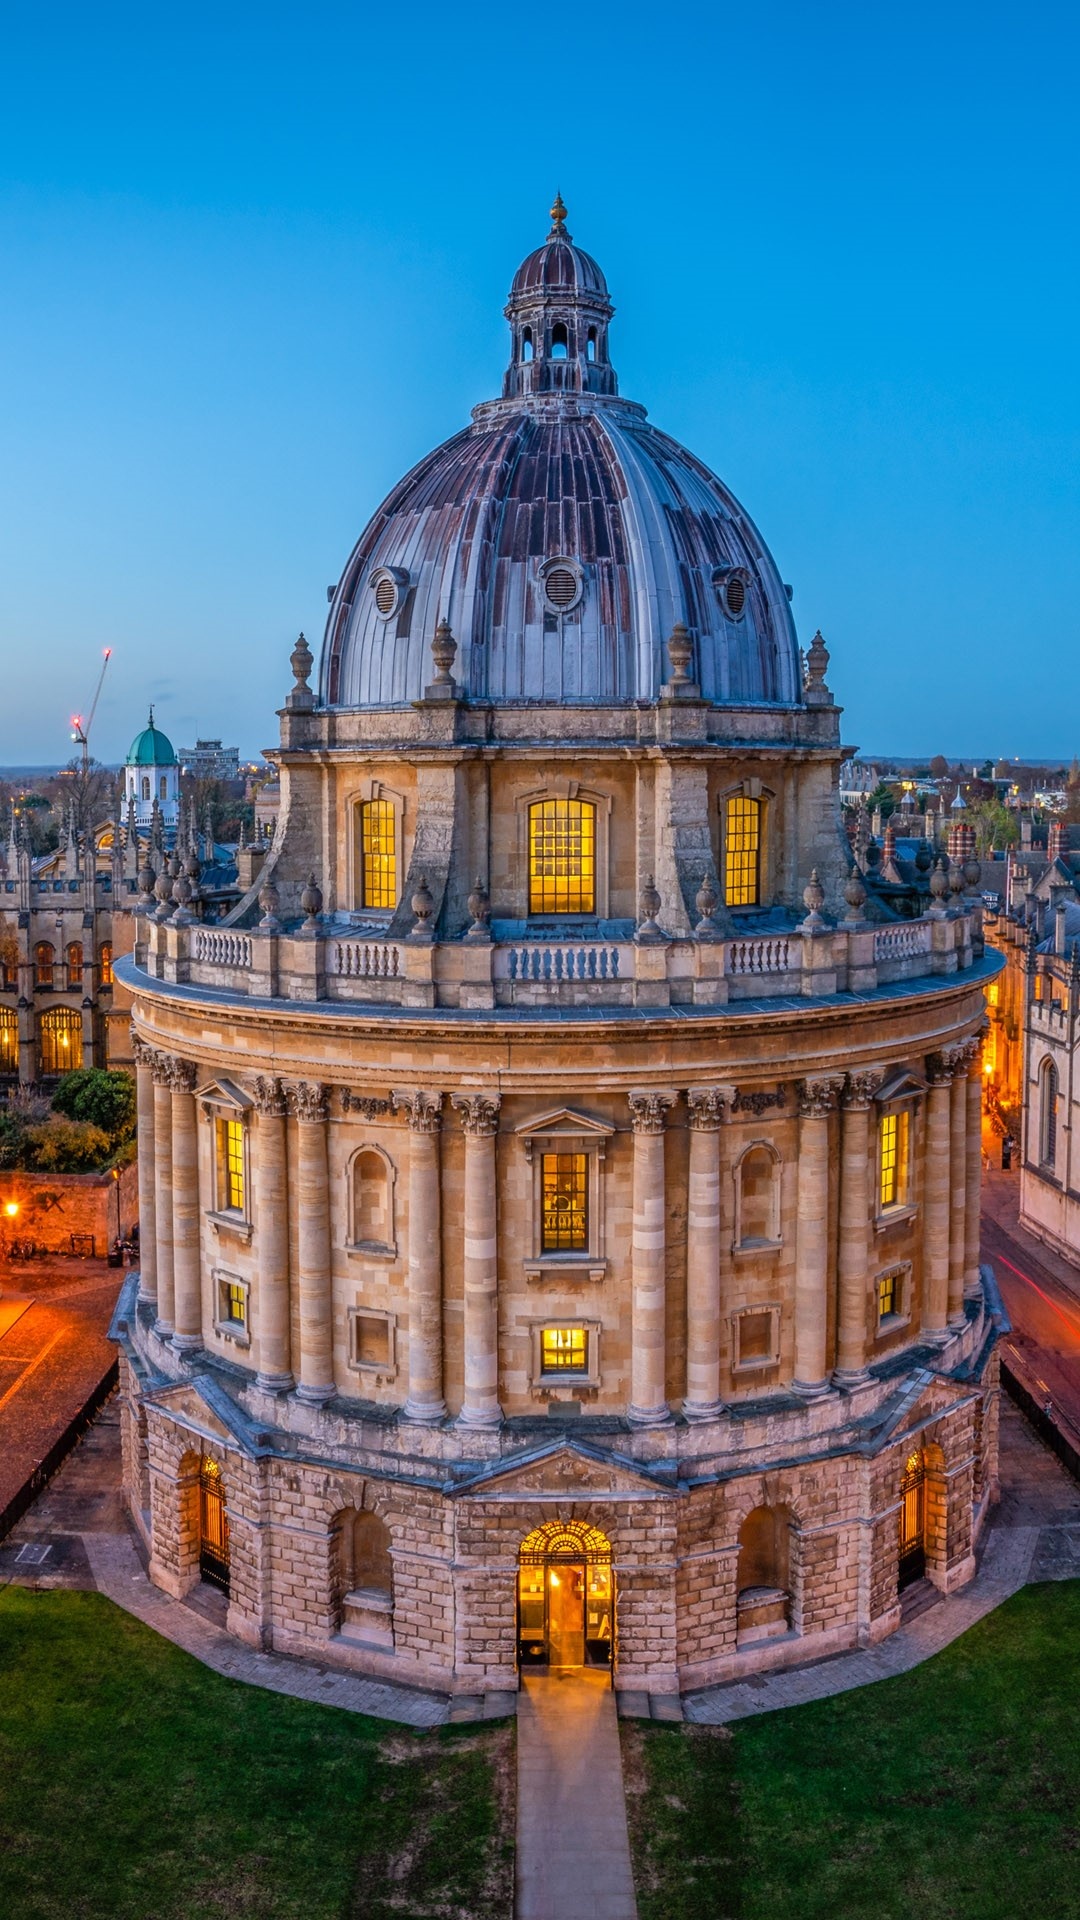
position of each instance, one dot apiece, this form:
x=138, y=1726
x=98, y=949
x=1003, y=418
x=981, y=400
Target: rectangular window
x=564, y=1193
x=230, y=1153
x=893, y=1159
x=234, y=1303
x=378, y=856
x=564, y=1350
x=756, y=1338
x=562, y=857
x=886, y=1295
x=742, y=851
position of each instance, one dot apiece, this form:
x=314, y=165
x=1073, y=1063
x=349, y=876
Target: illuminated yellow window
x=564, y=1191
x=742, y=851
x=60, y=1047
x=378, y=855
x=564, y=1350
x=9, y=1041
x=105, y=959
x=887, y=1295
x=232, y=1299
x=893, y=1158
x=562, y=857
x=230, y=1151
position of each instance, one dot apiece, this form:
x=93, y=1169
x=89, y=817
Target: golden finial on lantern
x=558, y=218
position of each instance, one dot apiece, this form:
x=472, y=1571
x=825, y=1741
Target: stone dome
x=151, y=747
x=562, y=537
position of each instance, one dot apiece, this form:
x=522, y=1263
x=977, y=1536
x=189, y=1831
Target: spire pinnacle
x=558, y=220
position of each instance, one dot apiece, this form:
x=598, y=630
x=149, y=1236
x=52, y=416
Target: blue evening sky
x=254, y=261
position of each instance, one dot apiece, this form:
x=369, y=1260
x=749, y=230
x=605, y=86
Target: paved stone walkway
x=573, y=1850
x=1034, y=1535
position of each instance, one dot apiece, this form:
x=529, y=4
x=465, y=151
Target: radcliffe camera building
x=559, y=1179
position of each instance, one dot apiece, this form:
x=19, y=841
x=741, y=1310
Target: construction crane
x=80, y=728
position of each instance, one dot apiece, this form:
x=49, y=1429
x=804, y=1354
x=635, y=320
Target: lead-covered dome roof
x=562, y=537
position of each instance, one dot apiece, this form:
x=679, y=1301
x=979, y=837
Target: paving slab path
x=573, y=1849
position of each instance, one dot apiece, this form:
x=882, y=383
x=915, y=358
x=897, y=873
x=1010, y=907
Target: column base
x=957, y=1322
x=477, y=1420
x=315, y=1396
x=650, y=1416
x=163, y=1330
x=424, y=1413
x=275, y=1382
x=699, y=1410
x=849, y=1377
x=186, y=1342
x=936, y=1336
x=810, y=1389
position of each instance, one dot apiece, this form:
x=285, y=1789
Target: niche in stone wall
x=757, y=1197
x=363, y=1576
x=764, y=1575
x=372, y=1176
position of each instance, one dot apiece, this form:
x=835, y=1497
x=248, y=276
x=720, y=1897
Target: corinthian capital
x=179, y=1074
x=860, y=1088
x=479, y=1111
x=820, y=1096
x=648, y=1109
x=708, y=1107
x=268, y=1095
x=422, y=1108
x=142, y=1053
x=307, y=1099
x=940, y=1068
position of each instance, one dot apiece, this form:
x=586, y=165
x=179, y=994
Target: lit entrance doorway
x=566, y=1597
x=913, y=1521
x=213, y=1527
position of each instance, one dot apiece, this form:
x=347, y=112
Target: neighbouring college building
x=560, y=1172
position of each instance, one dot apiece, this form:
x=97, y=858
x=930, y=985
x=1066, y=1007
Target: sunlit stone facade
x=560, y=1186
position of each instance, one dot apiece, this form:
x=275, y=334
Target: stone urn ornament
x=311, y=900
x=423, y=903
x=479, y=904
x=855, y=895
x=939, y=887
x=269, y=901
x=649, y=904
x=706, y=901
x=813, y=900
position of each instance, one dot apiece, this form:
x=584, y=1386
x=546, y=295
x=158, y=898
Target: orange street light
x=11, y=1208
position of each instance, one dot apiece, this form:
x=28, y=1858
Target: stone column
x=817, y=1099
x=973, y=1164
x=480, y=1119
x=853, y=1263
x=187, y=1268
x=308, y=1101
x=937, y=1199
x=144, y=1082
x=957, y=1184
x=160, y=1067
x=271, y=1316
x=425, y=1401
x=707, y=1110
x=648, y=1401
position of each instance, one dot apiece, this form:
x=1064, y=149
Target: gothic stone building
x=559, y=1186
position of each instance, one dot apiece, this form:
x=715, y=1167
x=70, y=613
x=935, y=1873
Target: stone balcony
x=340, y=962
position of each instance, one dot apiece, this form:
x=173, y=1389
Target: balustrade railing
x=764, y=954
x=215, y=948
x=902, y=942
x=364, y=960
x=552, y=963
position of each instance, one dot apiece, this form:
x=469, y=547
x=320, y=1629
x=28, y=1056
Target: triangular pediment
x=226, y=1095
x=566, y=1469
x=564, y=1120
x=203, y=1410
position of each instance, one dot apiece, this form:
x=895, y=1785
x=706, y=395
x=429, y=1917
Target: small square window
x=234, y=1302
x=756, y=1339
x=231, y=1317
x=564, y=1352
x=892, y=1294
x=372, y=1341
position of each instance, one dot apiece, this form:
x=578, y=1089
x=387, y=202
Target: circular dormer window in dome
x=387, y=585
x=562, y=584
x=732, y=585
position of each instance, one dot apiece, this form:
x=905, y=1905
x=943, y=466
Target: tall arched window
x=75, y=963
x=527, y=344
x=146, y=786
x=9, y=1040
x=373, y=1201
x=742, y=851
x=378, y=855
x=560, y=345
x=1048, y=1104
x=562, y=856
x=44, y=956
x=213, y=1526
x=105, y=963
x=60, y=1044
x=590, y=345
x=163, y=788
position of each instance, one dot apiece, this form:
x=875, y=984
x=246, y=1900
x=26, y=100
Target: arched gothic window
x=146, y=786
x=163, y=788
x=1048, y=1105
x=75, y=963
x=105, y=963
x=44, y=956
x=9, y=1040
x=60, y=1042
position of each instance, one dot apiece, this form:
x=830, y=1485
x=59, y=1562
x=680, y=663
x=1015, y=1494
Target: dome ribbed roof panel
x=465, y=536
x=558, y=266
x=151, y=748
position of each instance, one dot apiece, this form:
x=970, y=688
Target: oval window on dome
x=735, y=596
x=387, y=589
x=562, y=585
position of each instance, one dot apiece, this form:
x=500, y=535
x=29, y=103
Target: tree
x=996, y=826
x=882, y=800
x=939, y=767
x=100, y=1097
x=92, y=789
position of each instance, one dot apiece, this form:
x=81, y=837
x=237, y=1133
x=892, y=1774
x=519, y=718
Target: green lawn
x=951, y=1793
x=137, y=1785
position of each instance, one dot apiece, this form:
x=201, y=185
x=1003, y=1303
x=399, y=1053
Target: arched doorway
x=566, y=1597
x=213, y=1526
x=913, y=1520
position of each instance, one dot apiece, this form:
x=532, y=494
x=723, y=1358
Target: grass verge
x=951, y=1792
x=137, y=1785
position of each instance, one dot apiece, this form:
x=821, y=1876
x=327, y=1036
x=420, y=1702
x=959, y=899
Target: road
x=1042, y=1297
x=54, y=1316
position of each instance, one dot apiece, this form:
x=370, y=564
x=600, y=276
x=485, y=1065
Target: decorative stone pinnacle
x=648, y=907
x=479, y=904
x=300, y=698
x=311, y=900
x=706, y=902
x=558, y=220
x=814, y=900
x=680, y=650
x=815, y=692
x=423, y=903
x=855, y=895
